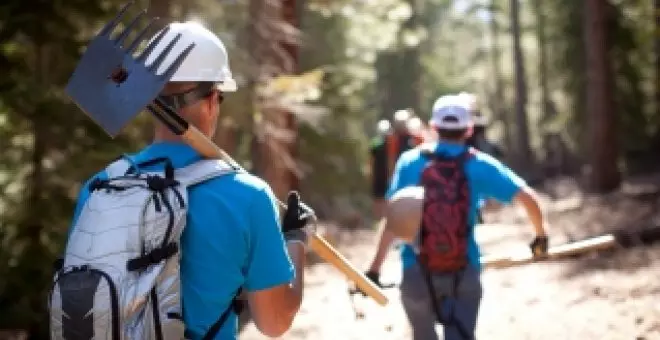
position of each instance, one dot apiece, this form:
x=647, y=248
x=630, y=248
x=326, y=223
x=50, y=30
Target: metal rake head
x=110, y=84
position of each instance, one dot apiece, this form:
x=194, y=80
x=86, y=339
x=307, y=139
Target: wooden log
x=603, y=242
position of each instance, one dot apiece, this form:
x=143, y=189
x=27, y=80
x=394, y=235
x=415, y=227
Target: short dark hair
x=452, y=135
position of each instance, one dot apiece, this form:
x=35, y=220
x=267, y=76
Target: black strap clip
x=153, y=257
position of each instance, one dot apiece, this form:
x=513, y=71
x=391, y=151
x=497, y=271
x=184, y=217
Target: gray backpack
x=119, y=277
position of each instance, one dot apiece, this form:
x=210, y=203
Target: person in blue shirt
x=233, y=237
x=459, y=292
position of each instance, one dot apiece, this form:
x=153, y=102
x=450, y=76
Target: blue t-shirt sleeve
x=497, y=180
x=395, y=183
x=404, y=172
x=269, y=264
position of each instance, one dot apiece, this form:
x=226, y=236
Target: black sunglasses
x=178, y=101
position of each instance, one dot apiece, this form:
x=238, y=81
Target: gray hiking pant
x=465, y=289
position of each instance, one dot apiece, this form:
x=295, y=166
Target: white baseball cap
x=401, y=116
x=451, y=112
x=384, y=126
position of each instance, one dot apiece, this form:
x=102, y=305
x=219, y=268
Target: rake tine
x=177, y=62
x=110, y=26
x=154, y=66
x=152, y=45
x=139, y=37
x=120, y=39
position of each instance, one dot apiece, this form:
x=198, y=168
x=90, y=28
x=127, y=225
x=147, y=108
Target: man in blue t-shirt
x=457, y=293
x=232, y=237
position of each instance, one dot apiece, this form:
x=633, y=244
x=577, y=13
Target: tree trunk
x=411, y=64
x=291, y=13
x=546, y=113
x=552, y=143
x=603, y=174
x=497, y=102
x=524, y=152
x=657, y=58
x=270, y=153
x=162, y=10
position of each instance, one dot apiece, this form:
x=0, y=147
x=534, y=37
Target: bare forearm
x=294, y=293
x=385, y=240
x=530, y=202
x=536, y=218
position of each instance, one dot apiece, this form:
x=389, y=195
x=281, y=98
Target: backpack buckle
x=159, y=184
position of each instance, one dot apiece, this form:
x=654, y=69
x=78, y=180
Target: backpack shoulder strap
x=118, y=168
x=125, y=165
x=235, y=306
x=203, y=170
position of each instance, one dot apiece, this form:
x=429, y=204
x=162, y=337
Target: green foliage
x=48, y=147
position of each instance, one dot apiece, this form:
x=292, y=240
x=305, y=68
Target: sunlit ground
x=611, y=295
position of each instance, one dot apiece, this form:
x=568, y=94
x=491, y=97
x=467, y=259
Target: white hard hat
x=207, y=62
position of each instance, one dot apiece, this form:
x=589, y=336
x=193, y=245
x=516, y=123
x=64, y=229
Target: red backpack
x=445, y=227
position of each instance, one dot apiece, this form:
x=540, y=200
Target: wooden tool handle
x=592, y=244
x=203, y=144
x=329, y=254
x=319, y=245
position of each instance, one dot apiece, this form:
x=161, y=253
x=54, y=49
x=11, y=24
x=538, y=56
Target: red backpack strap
x=466, y=155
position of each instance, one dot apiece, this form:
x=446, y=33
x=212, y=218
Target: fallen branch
x=621, y=239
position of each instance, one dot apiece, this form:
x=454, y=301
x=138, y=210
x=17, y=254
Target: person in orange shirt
x=404, y=133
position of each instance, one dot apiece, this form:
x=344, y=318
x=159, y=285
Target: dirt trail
x=613, y=295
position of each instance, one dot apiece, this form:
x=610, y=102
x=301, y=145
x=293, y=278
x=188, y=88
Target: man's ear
x=469, y=132
x=210, y=106
x=212, y=101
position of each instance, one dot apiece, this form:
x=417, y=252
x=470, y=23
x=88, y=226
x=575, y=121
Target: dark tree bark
x=161, y=9
x=603, y=174
x=497, y=102
x=546, y=113
x=657, y=57
x=273, y=53
x=524, y=154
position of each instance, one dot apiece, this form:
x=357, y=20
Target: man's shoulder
x=485, y=165
x=238, y=181
x=419, y=152
x=483, y=158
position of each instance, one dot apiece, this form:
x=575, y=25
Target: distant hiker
x=441, y=270
x=401, y=138
x=391, y=141
x=379, y=167
x=198, y=229
x=478, y=139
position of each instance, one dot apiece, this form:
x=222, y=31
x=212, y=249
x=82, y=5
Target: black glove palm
x=374, y=277
x=295, y=219
x=539, y=246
